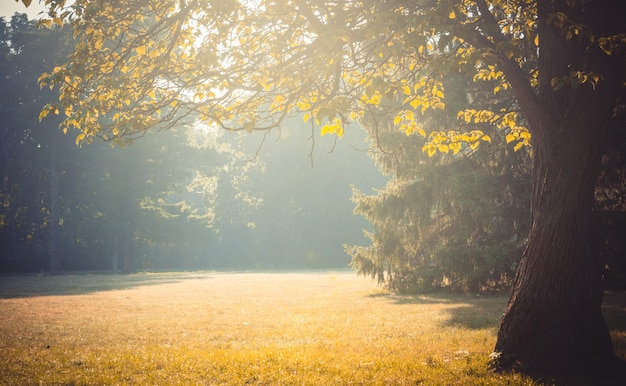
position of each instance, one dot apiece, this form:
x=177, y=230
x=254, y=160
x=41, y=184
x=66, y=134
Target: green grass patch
x=247, y=328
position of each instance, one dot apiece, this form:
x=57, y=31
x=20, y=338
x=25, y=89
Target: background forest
x=187, y=198
x=192, y=198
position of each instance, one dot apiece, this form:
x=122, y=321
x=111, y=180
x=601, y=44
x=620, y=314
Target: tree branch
x=534, y=110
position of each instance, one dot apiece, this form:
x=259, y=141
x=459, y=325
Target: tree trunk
x=553, y=318
x=553, y=321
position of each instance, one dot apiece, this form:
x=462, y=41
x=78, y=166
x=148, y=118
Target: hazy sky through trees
x=8, y=8
x=171, y=204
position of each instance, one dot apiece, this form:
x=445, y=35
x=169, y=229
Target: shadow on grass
x=467, y=311
x=22, y=286
x=429, y=298
x=479, y=313
x=485, y=311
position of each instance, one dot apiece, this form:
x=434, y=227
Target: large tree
x=247, y=65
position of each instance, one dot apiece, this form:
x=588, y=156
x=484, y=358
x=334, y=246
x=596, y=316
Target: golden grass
x=318, y=328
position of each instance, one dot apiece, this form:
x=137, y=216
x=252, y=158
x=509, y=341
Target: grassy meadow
x=318, y=328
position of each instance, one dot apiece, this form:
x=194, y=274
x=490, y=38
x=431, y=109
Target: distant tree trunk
x=115, y=254
x=55, y=228
x=553, y=318
x=14, y=258
x=12, y=215
x=123, y=254
x=128, y=250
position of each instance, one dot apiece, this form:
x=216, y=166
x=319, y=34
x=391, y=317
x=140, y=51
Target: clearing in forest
x=304, y=328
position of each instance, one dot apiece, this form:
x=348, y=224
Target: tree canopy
x=247, y=65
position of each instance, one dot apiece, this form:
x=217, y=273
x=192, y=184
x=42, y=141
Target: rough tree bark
x=553, y=320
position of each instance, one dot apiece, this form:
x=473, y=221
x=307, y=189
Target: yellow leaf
x=537, y=41
x=141, y=50
x=455, y=147
x=326, y=129
x=518, y=146
x=486, y=138
x=43, y=113
x=429, y=148
x=510, y=137
x=306, y=117
x=302, y=105
x=42, y=77
x=452, y=15
x=79, y=138
x=374, y=100
x=44, y=22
